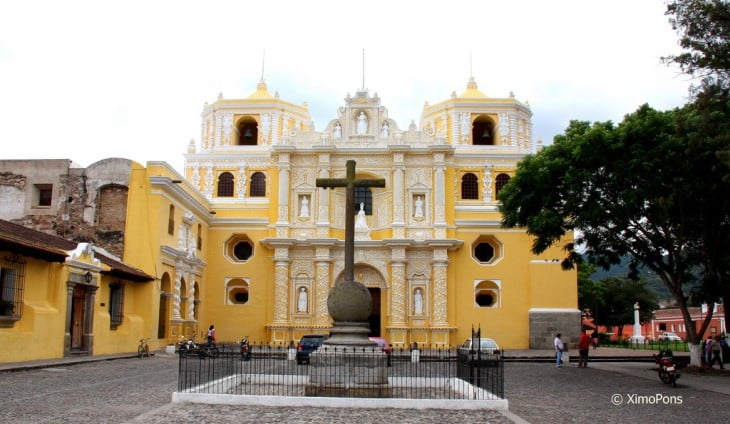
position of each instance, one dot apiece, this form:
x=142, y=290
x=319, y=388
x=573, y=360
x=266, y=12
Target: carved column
x=190, y=314
x=176, y=297
x=209, y=177
x=281, y=290
x=321, y=290
x=439, y=195
x=440, y=263
x=323, y=198
x=398, y=286
x=241, y=182
x=283, y=189
x=398, y=190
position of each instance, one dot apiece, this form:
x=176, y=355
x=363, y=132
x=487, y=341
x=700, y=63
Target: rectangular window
x=363, y=196
x=43, y=194
x=12, y=276
x=116, y=304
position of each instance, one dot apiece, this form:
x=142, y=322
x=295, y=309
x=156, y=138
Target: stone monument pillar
x=348, y=364
x=637, y=337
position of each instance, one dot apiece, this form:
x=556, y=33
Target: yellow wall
x=39, y=333
x=233, y=321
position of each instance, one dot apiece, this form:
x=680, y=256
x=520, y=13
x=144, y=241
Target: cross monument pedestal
x=348, y=363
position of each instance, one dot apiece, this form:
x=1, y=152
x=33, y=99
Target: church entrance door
x=374, y=318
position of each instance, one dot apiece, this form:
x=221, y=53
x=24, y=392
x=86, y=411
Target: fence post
x=291, y=351
x=415, y=354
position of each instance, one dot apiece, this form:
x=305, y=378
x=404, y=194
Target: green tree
x=590, y=295
x=620, y=295
x=630, y=189
x=703, y=27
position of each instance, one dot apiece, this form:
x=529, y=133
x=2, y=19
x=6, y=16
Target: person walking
x=584, y=344
x=559, y=347
x=715, y=348
x=210, y=337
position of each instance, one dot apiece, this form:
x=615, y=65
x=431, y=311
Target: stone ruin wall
x=70, y=202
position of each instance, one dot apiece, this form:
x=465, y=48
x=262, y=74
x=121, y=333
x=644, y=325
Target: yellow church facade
x=429, y=246
x=244, y=240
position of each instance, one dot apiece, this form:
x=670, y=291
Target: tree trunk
x=695, y=354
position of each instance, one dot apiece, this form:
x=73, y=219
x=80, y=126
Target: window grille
x=469, y=186
x=365, y=196
x=116, y=304
x=258, y=184
x=12, y=281
x=225, y=185
x=501, y=181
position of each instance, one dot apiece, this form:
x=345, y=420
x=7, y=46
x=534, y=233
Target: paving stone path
x=139, y=390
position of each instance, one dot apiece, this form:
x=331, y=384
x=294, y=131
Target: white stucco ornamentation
x=208, y=190
x=241, y=182
x=439, y=293
x=321, y=291
x=281, y=283
x=397, y=285
x=84, y=251
x=176, y=298
x=227, y=126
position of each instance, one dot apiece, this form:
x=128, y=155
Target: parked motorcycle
x=186, y=347
x=208, y=349
x=245, y=349
x=667, y=367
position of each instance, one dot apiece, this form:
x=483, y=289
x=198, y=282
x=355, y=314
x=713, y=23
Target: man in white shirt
x=559, y=347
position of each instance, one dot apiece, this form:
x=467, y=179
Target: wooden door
x=77, y=317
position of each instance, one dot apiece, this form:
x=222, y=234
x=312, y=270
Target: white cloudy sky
x=87, y=80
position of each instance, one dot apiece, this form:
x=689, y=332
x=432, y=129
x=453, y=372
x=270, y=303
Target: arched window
x=225, y=185
x=482, y=133
x=171, y=221
x=248, y=131
x=469, y=186
x=500, y=182
x=364, y=196
x=258, y=184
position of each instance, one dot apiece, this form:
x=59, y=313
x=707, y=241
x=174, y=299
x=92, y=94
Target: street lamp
x=88, y=277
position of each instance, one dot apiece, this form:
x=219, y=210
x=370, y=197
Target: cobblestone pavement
x=139, y=390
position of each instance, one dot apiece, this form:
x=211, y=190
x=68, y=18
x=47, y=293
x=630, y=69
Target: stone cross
x=350, y=182
x=349, y=302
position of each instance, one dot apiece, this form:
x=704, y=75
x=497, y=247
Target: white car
x=485, y=345
x=670, y=336
x=487, y=354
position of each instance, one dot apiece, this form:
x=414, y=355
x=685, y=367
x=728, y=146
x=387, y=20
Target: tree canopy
x=650, y=187
x=703, y=27
x=614, y=299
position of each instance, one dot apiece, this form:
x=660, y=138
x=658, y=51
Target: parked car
x=670, y=336
x=308, y=344
x=487, y=353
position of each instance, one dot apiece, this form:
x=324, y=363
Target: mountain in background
x=653, y=282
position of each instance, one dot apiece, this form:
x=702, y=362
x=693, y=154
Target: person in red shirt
x=583, y=345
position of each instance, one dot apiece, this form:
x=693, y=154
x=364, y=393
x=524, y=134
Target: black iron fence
x=673, y=345
x=273, y=370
